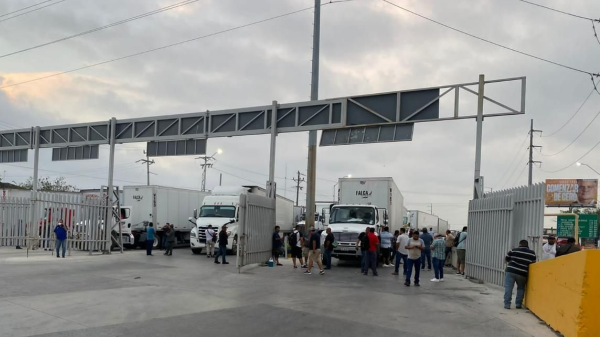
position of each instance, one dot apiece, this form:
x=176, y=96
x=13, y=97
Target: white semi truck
x=419, y=220
x=442, y=226
x=160, y=205
x=222, y=207
x=364, y=202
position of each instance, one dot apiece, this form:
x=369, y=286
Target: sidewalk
x=189, y=295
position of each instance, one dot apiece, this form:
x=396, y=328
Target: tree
x=586, y=210
x=45, y=184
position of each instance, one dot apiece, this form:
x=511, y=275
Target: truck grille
x=202, y=234
x=344, y=237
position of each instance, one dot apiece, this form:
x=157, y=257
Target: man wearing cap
x=61, y=238
x=314, y=255
x=223, y=236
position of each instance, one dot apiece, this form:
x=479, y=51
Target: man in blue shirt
x=426, y=252
x=150, y=232
x=61, y=238
x=386, y=243
x=439, y=257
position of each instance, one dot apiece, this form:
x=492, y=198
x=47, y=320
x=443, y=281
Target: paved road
x=186, y=295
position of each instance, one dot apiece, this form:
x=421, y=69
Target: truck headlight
x=192, y=234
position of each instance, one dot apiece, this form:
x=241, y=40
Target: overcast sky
x=367, y=46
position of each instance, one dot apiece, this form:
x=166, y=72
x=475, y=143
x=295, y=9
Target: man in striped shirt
x=517, y=271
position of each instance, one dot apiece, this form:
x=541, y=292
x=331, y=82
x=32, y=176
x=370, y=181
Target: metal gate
x=30, y=222
x=497, y=223
x=257, y=221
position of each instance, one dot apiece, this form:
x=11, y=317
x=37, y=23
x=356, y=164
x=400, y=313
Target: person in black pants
x=223, y=237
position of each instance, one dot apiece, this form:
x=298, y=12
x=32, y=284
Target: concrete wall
x=565, y=293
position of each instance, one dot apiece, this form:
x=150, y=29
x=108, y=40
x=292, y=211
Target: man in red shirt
x=372, y=252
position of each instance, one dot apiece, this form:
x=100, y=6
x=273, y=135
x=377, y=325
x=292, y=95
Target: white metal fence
x=84, y=219
x=497, y=222
x=257, y=222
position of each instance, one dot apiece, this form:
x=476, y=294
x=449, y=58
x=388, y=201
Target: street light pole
x=591, y=168
x=334, y=185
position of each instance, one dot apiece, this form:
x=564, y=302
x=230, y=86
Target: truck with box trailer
x=160, y=205
x=419, y=220
x=222, y=207
x=442, y=227
x=364, y=202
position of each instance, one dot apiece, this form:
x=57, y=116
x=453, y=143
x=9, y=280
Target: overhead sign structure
x=571, y=192
x=13, y=156
x=176, y=148
x=588, y=226
x=76, y=153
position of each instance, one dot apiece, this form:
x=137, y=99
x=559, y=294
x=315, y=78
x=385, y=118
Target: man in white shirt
x=402, y=252
x=210, y=244
x=549, y=249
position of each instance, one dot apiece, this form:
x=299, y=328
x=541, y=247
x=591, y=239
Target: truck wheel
x=156, y=242
x=196, y=251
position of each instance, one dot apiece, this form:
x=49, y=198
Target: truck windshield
x=363, y=215
x=217, y=212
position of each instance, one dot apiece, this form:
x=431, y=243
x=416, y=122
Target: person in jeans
x=223, y=237
x=438, y=249
x=461, y=251
x=449, y=245
x=150, y=233
x=170, y=238
x=371, y=260
x=210, y=244
x=394, y=239
x=329, y=239
x=363, y=243
x=415, y=246
x=402, y=252
x=277, y=245
x=386, y=244
x=296, y=237
x=517, y=271
x=61, y=238
x=314, y=254
x=426, y=252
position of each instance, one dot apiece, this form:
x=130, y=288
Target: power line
x=33, y=10
x=514, y=170
x=167, y=46
x=514, y=158
x=559, y=11
x=137, y=17
x=24, y=8
x=574, y=140
x=575, y=162
x=576, y=112
x=493, y=43
x=78, y=175
x=519, y=176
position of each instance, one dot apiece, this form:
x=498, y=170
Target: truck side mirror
x=385, y=221
x=195, y=214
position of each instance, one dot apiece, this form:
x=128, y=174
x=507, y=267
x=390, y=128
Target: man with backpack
x=211, y=238
x=363, y=243
x=461, y=251
x=296, y=241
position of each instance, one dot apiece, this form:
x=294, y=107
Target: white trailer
x=442, y=226
x=372, y=202
x=222, y=207
x=420, y=220
x=160, y=205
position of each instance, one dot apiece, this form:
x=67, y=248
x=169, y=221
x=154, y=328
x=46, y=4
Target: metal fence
x=84, y=219
x=257, y=221
x=497, y=222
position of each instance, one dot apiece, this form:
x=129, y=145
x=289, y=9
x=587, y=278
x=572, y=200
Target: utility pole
x=311, y=171
x=298, y=181
x=531, y=147
x=148, y=163
x=208, y=164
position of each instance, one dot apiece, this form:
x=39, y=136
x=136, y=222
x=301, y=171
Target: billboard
x=588, y=226
x=571, y=192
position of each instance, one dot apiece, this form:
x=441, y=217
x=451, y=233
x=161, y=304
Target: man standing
x=150, y=232
x=415, y=246
x=223, y=237
x=394, y=240
x=61, y=238
x=314, y=254
x=329, y=240
x=297, y=241
x=549, y=249
x=439, y=257
x=386, y=244
x=449, y=245
x=402, y=254
x=371, y=260
x=461, y=252
x=277, y=244
x=363, y=243
x=517, y=271
x=170, y=238
x=210, y=241
x=568, y=248
x=166, y=228
x=426, y=252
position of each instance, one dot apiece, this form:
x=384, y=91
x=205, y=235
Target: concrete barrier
x=565, y=293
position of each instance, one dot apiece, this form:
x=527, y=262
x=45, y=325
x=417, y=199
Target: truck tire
x=196, y=251
x=156, y=242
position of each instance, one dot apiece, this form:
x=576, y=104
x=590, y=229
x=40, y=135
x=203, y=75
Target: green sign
x=588, y=226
